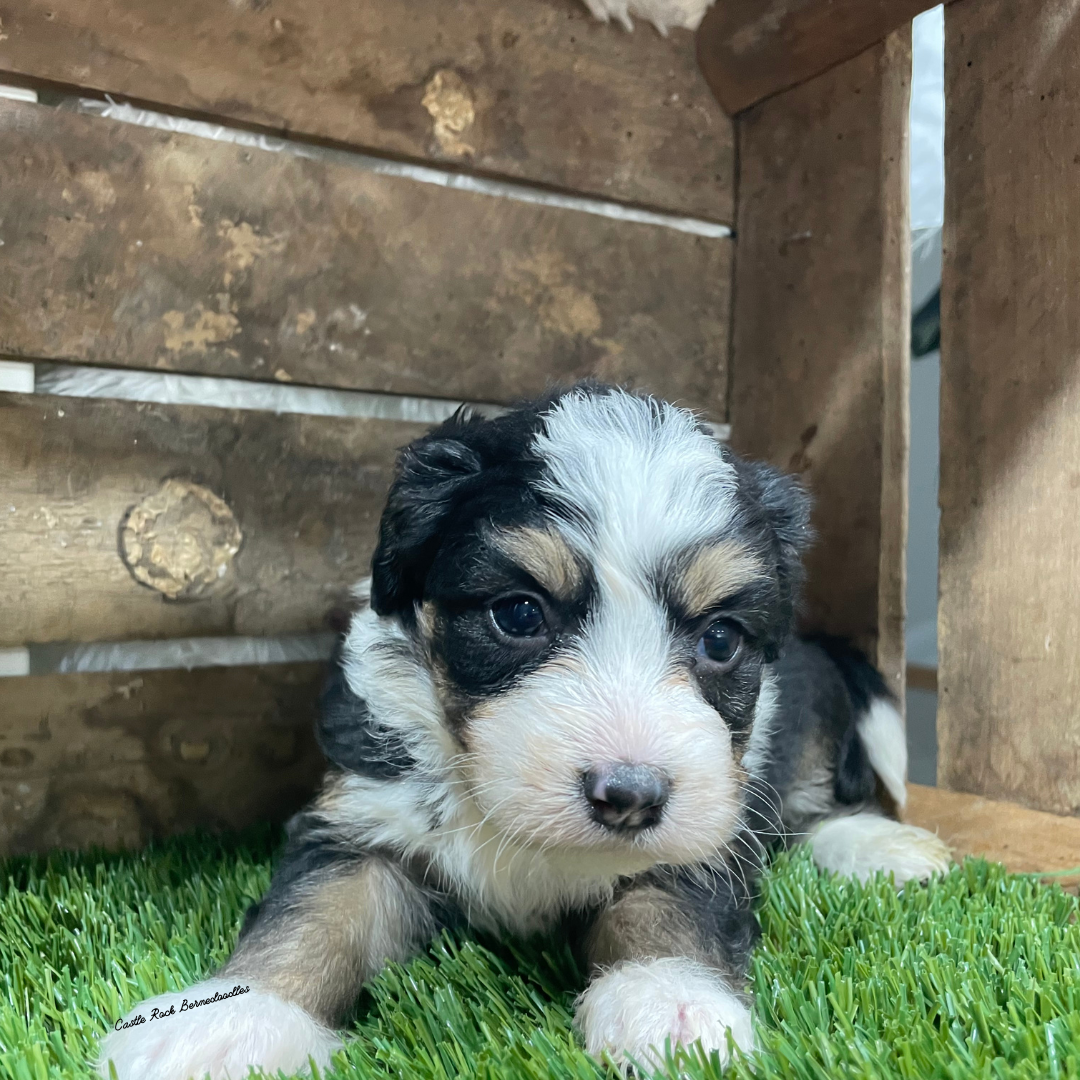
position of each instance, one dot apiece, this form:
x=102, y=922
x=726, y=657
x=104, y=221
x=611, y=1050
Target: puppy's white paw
x=219, y=1038
x=861, y=844
x=631, y=1010
x=663, y=14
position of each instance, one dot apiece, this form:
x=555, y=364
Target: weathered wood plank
x=532, y=89
x=1026, y=841
x=1009, y=613
x=135, y=247
x=820, y=353
x=121, y=758
x=121, y=520
x=749, y=50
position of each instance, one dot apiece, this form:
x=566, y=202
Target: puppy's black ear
x=432, y=473
x=785, y=505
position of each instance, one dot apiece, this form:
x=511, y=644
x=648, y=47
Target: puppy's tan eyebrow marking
x=543, y=554
x=715, y=572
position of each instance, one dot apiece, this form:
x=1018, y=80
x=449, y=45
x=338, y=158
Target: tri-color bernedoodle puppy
x=572, y=700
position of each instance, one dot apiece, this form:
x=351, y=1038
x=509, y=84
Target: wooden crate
x=470, y=202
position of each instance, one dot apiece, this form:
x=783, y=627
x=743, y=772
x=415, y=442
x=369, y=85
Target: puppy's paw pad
x=862, y=844
x=633, y=1009
x=220, y=1039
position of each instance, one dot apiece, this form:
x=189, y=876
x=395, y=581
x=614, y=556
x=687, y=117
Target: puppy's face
x=597, y=586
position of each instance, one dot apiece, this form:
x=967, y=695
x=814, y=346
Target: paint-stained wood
x=121, y=758
x=820, y=354
x=1009, y=612
x=136, y=247
x=115, y=518
x=532, y=89
x=1026, y=841
x=751, y=49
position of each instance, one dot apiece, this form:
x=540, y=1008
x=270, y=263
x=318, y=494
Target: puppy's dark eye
x=518, y=616
x=721, y=643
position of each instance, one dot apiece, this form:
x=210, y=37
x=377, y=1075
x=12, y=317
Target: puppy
x=572, y=699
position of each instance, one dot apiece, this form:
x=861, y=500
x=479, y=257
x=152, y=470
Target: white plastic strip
x=423, y=174
x=14, y=662
x=167, y=389
x=18, y=93
x=16, y=377
x=177, y=653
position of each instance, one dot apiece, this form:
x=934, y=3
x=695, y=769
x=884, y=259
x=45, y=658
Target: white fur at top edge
x=631, y=1010
x=881, y=730
x=861, y=844
x=221, y=1039
x=663, y=14
x=648, y=481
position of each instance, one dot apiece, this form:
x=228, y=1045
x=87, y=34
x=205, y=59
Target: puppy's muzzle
x=626, y=798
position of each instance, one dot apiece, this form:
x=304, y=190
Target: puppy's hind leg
x=330, y=921
x=860, y=844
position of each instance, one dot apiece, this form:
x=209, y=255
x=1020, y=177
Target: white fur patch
x=861, y=844
x=663, y=14
x=756, y=758
x=221, y=1039
x=881, y=730
x=631, y=1010
x=642, y=481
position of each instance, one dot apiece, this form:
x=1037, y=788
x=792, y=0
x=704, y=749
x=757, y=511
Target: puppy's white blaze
x=222, y=1039
x=861, y=844
x=632, y=1009
x=881, y=731
x=641, y=480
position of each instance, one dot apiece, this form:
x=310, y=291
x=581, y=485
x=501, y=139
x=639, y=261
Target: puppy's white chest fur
x=501, y=884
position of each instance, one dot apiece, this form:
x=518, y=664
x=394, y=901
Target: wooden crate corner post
x=1009, y=607
x=821, y=328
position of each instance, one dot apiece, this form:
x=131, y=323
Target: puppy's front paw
x=631, y=1010
x=175, y=1041
x=861, y=844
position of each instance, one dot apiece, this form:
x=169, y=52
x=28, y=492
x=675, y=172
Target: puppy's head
x=597, y=586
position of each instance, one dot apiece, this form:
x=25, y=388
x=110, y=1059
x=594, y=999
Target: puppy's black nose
x=626, y=797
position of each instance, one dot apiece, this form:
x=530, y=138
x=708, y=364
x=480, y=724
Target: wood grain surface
x=118, y=759
x=1026, y=841
x=751, y=49
x=1009, y=612
x=132, y=247
x=530, y=89
x=86, y=484
x=820, y=337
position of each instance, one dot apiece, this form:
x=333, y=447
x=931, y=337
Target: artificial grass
x=975, y=975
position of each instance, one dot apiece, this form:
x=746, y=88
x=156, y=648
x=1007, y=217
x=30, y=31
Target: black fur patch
x=351, y=739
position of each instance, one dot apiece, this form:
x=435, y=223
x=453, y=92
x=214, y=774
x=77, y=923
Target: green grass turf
x=977, y=975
